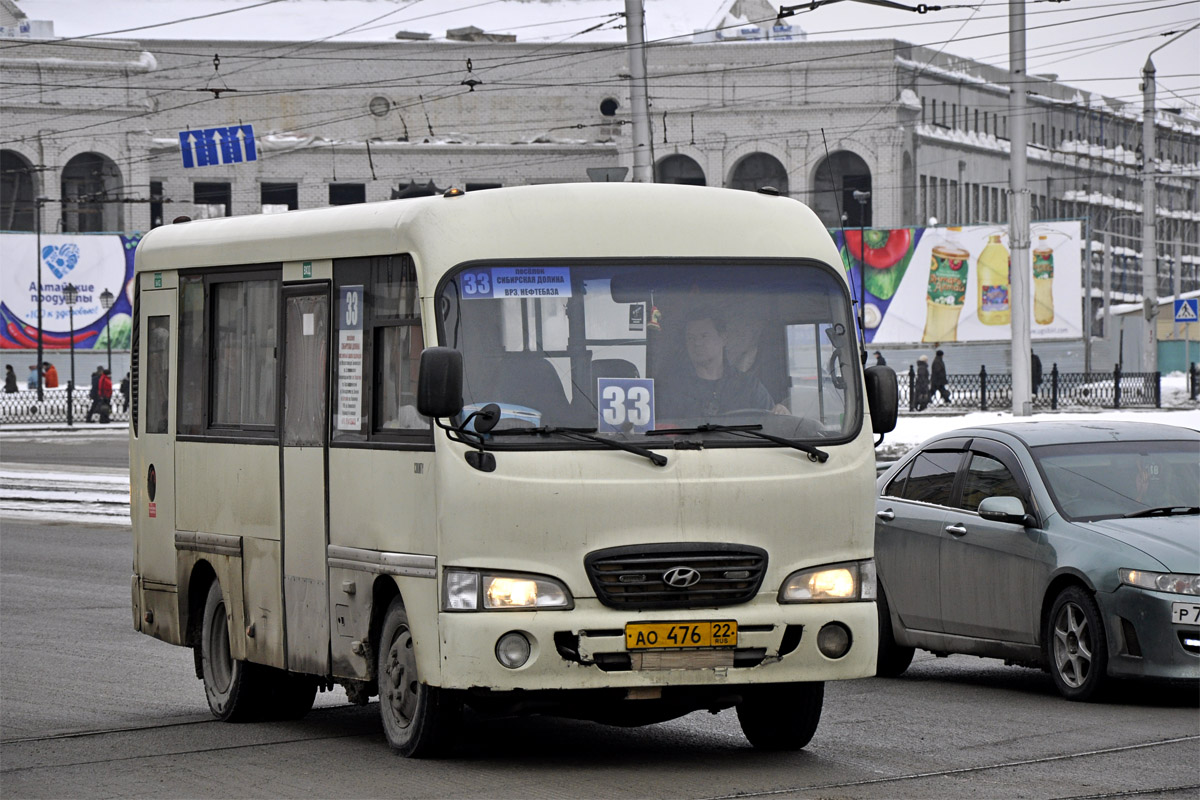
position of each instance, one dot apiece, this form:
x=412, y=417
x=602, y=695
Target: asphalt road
x=90, y=708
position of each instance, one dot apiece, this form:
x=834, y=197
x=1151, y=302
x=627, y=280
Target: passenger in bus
x=708, y=384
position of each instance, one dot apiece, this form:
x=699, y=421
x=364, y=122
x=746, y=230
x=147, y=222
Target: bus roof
x=549, y=221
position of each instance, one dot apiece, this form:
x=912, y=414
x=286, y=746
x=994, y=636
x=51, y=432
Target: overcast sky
x=1097, y=45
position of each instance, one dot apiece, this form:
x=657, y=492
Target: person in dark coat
x=1035, y=366
x=10, y=379
x=880, y=361
x=922, y=387
x=94, y=394
x=937, y=378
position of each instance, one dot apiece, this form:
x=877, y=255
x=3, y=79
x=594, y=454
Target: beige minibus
x=597, y=450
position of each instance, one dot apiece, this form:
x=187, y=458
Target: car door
x=909, y=528
x=991, y=571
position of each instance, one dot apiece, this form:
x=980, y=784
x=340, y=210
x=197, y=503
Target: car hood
x=1170, y=540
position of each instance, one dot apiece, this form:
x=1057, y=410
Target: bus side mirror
x=883, y=396
x=439, y=382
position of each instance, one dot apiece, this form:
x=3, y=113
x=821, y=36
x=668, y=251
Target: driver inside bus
x=708, y=384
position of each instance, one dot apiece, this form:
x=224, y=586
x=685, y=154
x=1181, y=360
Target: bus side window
x=158, y=352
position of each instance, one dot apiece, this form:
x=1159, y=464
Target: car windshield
x=1103, y=480
x=638, y=351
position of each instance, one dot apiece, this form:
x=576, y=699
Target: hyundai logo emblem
x=681, y=577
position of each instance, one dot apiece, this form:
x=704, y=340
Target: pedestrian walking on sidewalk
x=10, y=379
x=105, y=388
x=94, y=393
x=922, y=387
x=937, y=375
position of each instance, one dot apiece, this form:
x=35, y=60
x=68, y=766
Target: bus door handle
x=886, y=515
x=958, y=529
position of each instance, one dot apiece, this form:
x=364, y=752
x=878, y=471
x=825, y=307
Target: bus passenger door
x=152, y=458
x=303, y=460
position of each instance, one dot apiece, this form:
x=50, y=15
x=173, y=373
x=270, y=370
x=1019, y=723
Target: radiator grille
x=636, y=577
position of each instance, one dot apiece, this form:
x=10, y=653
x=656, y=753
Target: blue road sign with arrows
x=1186, y=310
x=210, y=147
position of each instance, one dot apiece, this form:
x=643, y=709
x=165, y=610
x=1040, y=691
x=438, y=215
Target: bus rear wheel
x=233, y=687
x=781, y=716
x=420, y=721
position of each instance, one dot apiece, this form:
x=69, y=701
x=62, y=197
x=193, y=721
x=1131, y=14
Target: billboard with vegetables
x=92, y=264
x=937, y=285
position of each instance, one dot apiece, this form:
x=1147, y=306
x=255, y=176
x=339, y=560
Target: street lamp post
x=70, y=295
x=39, y=201
x=861, y=198
x=106, y=300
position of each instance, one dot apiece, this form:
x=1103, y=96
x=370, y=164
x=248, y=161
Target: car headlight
x=468, y=590
x=1173, y=582
x=852, y=580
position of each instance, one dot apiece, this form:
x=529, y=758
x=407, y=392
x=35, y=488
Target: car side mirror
x=439, y=382
x=883, y=396
x=1004, y=509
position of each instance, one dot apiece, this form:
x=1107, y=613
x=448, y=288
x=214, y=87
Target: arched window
x=834, y=183
x=680, y=169
x=758, y=170
x=91, y=195
x=16, y=192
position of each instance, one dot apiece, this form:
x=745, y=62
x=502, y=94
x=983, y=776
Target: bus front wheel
x=420, y=721
x=781, y=716
x=232, y=686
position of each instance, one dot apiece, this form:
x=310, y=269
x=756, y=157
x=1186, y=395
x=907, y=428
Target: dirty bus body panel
x=647, y=480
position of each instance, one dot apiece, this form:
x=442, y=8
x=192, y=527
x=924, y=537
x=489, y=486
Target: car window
x=932, y=477
x=895, y=487
x=987, y=477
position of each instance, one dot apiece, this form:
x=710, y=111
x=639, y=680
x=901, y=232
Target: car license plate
x=1181, y=614
x=661, y=635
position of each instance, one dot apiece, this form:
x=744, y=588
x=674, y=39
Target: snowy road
x=48, y=492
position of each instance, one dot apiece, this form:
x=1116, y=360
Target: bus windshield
x=638, y=350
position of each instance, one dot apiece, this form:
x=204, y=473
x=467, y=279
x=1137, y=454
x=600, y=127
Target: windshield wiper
x=1163, y=511
x=585, y=434
x=816, y=454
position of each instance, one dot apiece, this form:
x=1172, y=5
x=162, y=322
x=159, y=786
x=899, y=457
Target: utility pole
x=1149, y=359
x=1149, y=211
x=1020, y=268
x=643, y=167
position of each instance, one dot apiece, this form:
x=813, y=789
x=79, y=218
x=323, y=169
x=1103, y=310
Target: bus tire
x=232, y=686
x=781, y=716
x=420, y=721
x=893, y=659
x=289, y=695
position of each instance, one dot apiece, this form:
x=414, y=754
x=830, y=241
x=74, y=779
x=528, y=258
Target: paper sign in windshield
x=497, y=283
x=626, y=405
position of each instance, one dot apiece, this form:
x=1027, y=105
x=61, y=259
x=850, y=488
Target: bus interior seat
x=531, y=381
x=613, y=368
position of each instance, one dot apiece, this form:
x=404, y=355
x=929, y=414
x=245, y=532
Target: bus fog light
x=513, y=649
x=833, y=640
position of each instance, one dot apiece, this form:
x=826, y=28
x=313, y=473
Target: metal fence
x=63, y=404
x=984, y=390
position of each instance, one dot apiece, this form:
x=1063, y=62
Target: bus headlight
x=468, y=590
x=851, y=580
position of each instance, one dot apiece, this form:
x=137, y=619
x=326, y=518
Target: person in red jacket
x=51, y=375
x=104, y=388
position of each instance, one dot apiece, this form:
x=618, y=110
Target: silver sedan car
x=1071, y=546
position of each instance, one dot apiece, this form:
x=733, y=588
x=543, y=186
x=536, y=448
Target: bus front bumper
x=585, y=648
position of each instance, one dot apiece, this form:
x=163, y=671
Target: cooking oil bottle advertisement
x=937, y=285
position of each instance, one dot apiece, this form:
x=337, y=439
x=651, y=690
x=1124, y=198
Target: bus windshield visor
x=721, y=352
